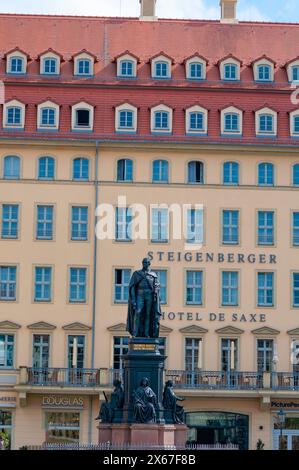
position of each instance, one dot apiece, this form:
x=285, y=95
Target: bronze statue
x=144, y=303
x=170, y=403
x=107, y=410
x=145, y=401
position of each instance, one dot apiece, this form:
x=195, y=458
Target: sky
x=253, y=10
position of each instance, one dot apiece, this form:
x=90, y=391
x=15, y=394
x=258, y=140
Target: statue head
x=144, y=382
x=146, y=263
x=169, y=383
x=116, y=383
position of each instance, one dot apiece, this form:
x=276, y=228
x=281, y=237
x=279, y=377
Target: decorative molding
x=165, y=329
x=229, y=330
x=77, y=326
x=119, y=327
x=193, y=329
x=294, y=332
x=265, y=330
x=41, y=325
x=9, y=325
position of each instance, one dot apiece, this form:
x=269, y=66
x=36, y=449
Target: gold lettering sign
x=141, y=347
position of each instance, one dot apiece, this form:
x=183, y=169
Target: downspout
x=94, y=289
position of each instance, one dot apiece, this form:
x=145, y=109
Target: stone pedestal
x=180, y=436
x=105, y=433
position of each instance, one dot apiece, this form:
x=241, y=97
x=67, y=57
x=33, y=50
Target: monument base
x=143, y=435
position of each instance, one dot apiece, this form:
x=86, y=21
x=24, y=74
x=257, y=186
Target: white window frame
x=229, y=60
x=16, y=54
x=87, y=107
x=289, y=67
x=160, y=58
x=231, y=110
x=126, y=57
x=44, y=57
x=125, y=107
x=161, y=108
x=196, y=109
x=83, y=56
x=293, y=114
x=257, y=122
x=9, y=104
x=196, y=60
x=256, y=65
x=47, y=104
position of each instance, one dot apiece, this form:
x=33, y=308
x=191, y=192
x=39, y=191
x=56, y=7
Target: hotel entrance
x=288, y=437
x=213, y=428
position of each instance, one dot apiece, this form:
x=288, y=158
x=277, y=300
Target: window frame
x=82, y=106
x=48, y=105
x=16, y=54
x=49, y=158
x=13, y=104
x=269, y=165
x=126, y=58
x=188, y=113
x=161, y=59
x=195, y=60
x=263, y=62
x=78, y=284
x=50, y=56
x=230, y=61
x=231, y=110
x=265, y=112
x=126, y=107
x=16, y=158
x=161, y=109
x=86, y=57
x=81, y=159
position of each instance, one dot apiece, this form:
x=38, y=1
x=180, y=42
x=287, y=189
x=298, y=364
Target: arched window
x=296, y=174
x=17, y=65
x=11, y=167
x=231, y=173
x=46, y=168
x=160, y=171
x=162, y=69
x=264, y=73
x=50, y=66
x=230, y=72
x=126, y=119
x=125, y=170
x=195, y=172
x=266, y=174
x=195, y=70
x=81, y=169
x=266, y=123
x=48, y=117
x=84, y=67
x=14, y=116
x=231, y=122
x=161, y=120
x=127, y=68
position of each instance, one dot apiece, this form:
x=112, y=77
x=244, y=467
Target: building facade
x=101, y=114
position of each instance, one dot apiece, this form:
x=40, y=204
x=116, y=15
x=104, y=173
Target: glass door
x=76, y=350
x=40, y=358
x=229, y=360
x=192, y=361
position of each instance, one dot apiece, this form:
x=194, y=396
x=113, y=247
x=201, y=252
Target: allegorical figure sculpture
x=169, y=402
x=144, y=310
x=108, y=408
x=145, y=401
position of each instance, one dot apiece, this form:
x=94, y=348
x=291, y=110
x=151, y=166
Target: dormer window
x=14, y=115
x=196, y=120
x=48, y=115
x=161, y=67
x=293, y=70
x=84, y=64
x=17, y=65
x=50, y=62
x=126, y=68
x=263, y=70
x=230, y=72
x=50, y=66
x=266, y=122
x=16, y=62
x=295, y=73
x=230, y=68
x=161, y=119
x=82, y=117
x=231, y=121
x=195, y=68
x=126, y=118
x=126, y=64
x=294, y=123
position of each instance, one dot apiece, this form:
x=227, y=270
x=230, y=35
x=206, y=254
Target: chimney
x=228, y=11
x=148, y=10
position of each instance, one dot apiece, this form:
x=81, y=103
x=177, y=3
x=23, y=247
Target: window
x=195, y=172
x=231, y=173
x=161, y=120
x=265, y=228
x=10, y=221
x=82, y=117
x=42, y=288
x=229, y=356
x=77, y=285
x=264, y=355
x=160, y=171
x=230, y=227
x=17, y=65
x=193, y=359
x=295, y=289
x=11, y=167
x=231, y=123
x=295, y=73
x=62, y=427
x=126, y=118
x=84, y=67
x=266, y=122
x=159, y=225
x=50, y=66
x=81, y=169
x=266, y=174
x=121, y=285
x=8, y=282
x=230, y=72
x=162, y=70
x=264, y=73
x=44, y=226
x=120, y=348
x=296, y=174
x=194, y=287
x=162, y=278
x=125, y=170
x=14, y=116
x=295, y=228
x=46, y=168
x=7, y=344
x=195, y=226
x=79, y=223
x=196, y=122
x=123, y=229
x=127, y=68
x=294, y=124
x=265, y=289
x=195, y=71
x=47, y=117
x=76, y=353
x=230, y=288
x=41, y=351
